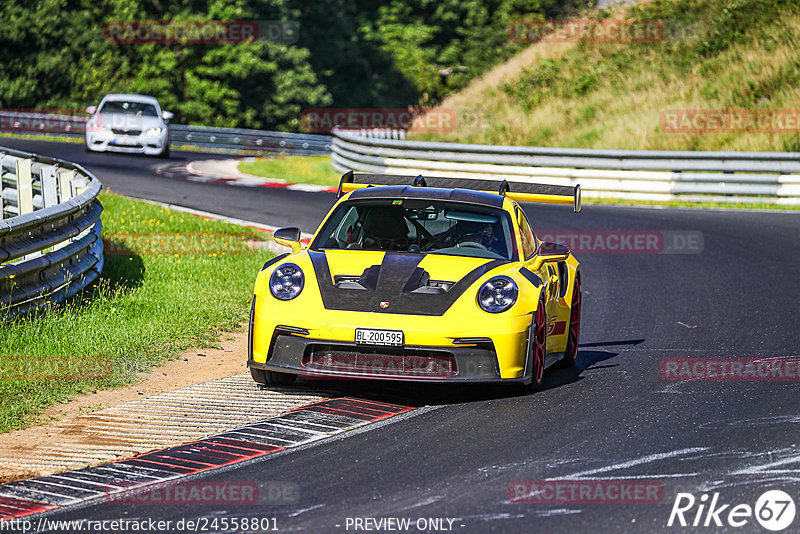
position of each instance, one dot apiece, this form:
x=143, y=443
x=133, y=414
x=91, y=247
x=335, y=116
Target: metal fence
x=768, y=177
x=228, y=139
x=50, y=246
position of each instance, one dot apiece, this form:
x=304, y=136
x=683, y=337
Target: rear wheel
x=537, y=346
x=271, y=378
x=574, y=328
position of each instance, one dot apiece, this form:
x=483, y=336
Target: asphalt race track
x=612, y=418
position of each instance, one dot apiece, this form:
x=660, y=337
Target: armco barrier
x=231, y=139
x=768, y=177
x=50, y=246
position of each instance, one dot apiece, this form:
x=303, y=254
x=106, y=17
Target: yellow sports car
x=424, y=279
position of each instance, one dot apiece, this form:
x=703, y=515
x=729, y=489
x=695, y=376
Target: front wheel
x=537, y=346
x=272, y=378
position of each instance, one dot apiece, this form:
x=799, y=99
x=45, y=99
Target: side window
x=346, y=227
x=528, y=241
x=563, y=282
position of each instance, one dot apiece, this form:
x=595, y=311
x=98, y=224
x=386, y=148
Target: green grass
x=295, y=169
x=44, y=137
x=171, y=281
x=715, y=55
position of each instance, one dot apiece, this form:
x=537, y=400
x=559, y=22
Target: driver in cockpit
x=481, y=235
x=474, y=232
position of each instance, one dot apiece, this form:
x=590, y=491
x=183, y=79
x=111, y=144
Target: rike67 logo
x=774, y=510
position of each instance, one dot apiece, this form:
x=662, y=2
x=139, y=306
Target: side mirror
x=288, y=237
x=91, y=110
x=549, y=252
x=167, y=115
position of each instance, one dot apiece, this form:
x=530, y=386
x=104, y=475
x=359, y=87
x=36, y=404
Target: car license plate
x=371, y=336
x=125, y=140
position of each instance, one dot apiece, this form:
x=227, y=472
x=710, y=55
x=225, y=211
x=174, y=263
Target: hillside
x=716, y=55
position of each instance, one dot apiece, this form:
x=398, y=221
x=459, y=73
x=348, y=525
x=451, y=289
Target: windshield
x=419, y=226
x=139, y=109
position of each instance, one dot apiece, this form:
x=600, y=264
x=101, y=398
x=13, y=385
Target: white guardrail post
x=746, y=177
x=50, y=245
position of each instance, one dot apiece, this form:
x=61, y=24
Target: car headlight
x=498, y=294
x=153, y=132
x=286, y=282
x=96, y=128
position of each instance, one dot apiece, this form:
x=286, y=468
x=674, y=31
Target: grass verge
x=714, y=55
x=171, y=281
x=43, y=137
x=295, y=169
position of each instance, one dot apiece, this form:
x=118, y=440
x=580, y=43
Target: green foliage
x=350, y=53
x=535, y=84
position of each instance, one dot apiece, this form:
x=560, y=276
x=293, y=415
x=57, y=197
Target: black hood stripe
x=531, y=276
x=274, y=260
x=393, y=286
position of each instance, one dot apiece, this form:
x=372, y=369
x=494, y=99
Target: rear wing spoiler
x=519, y=191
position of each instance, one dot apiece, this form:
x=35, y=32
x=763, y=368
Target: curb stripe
x=181, y=172
x=243, y=445
x=297, y=427
x=11, y=507
x=173, y=469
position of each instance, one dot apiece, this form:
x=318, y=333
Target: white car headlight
x=96, y=128
x=286, y=282
x=153, y=132
x=498, y=294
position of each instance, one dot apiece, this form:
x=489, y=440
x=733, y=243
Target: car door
x=549, y=274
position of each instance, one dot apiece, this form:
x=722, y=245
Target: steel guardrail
x=766, y=177
x=50, y=245
x=230, y=139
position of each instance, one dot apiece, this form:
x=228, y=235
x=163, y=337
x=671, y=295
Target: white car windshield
x=139, y=109
x=419, y=226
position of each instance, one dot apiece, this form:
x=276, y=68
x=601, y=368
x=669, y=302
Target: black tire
x=573, y=335
x=164, y=153
x=271, y=378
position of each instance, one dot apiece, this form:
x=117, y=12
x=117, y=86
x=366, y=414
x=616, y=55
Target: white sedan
x=128, y=123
